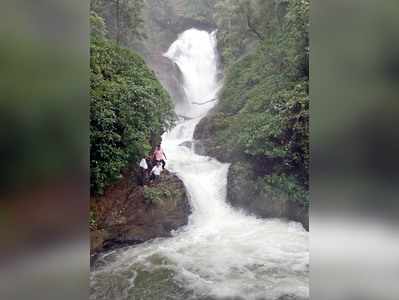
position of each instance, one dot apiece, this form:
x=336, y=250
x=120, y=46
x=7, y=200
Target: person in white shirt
x=156, y=172
x=143, y=171
x=143, y=164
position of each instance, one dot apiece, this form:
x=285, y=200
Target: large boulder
x=244, y=191
x=129, y=214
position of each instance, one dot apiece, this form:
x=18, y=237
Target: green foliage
x=157, y=195
x=97, y=26
x=128, y=106
x=123, y=19
x=243, y=23
x=286, y=184
x=166, y=193
x=281, y=130
x=197, y=10
x=263, y=110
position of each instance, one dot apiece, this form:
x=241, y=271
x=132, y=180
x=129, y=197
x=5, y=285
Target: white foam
x=221, y=252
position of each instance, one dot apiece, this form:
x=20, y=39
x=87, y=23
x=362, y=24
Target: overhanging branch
x=202, y=103
x=253, y=29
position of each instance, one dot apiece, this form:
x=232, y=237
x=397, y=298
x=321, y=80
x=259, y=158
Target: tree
x=123, y=19
x=128, y=107
x=243, y=23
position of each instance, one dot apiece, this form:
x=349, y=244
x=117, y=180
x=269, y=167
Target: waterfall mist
x=195, y=54
x=222, y=253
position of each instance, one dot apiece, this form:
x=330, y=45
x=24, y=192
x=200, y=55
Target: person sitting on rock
x=156, y=172
x=143, y=171
x=159, y=156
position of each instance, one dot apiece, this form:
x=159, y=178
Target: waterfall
x=222, y=253
x=195, y=54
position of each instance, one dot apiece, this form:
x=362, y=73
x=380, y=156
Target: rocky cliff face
x=207, y=143
x=244, y=192
x=129, y=214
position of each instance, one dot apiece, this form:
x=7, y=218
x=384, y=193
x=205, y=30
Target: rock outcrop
x=208, y=144
x=243, y=192
x=129, y=214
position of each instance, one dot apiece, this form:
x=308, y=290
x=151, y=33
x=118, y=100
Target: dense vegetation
x=128, y=108
x=123, y=19
x=262, y=116
x=263, y=113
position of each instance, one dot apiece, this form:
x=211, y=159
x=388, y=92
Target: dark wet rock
x=129, y=214
x=245, y=192
x=197, y=146
x=204, y=135
x=187, y=144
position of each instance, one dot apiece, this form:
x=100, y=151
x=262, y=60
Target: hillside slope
x=261, y=123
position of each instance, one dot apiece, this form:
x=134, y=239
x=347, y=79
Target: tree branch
x=202, y=103
x=253, y=29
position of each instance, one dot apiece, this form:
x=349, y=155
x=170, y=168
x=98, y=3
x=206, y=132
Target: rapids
x=222, y=253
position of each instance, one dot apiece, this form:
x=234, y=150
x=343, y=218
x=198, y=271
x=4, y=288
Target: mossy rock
x=247, y=191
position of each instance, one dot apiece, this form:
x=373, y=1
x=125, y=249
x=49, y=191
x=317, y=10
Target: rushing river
x=222, y=253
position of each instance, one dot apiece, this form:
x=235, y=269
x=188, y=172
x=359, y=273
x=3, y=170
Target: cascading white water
x=195, y=54
x=222, y=253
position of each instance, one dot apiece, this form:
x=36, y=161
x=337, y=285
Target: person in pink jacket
x=159, y=156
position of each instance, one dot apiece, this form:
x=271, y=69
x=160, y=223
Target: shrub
x=127, y=107
x=156, y=195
